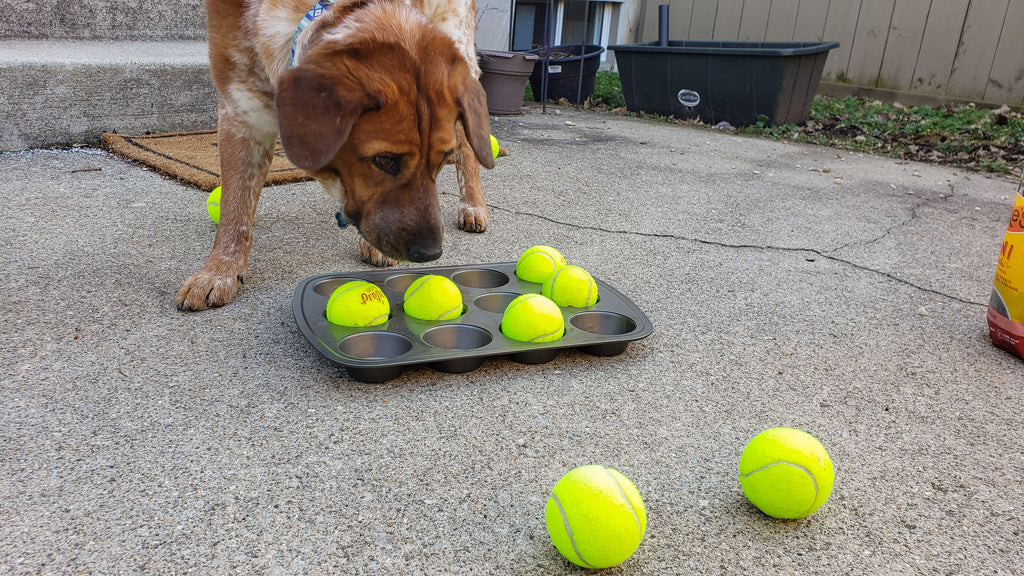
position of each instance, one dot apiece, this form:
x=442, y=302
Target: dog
x=370, y=97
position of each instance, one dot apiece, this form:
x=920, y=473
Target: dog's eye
x=388, y=163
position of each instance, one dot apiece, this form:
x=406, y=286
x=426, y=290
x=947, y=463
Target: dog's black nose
x=424, y=253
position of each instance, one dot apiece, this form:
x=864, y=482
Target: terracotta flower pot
x=504, y=77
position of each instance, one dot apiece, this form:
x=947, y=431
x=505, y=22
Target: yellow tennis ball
x=538, y=262
x=533, y=318
x=358, y=304
x=433, y=297
x=213, y=205
x=595, y=517
x=495, y=148
x=786, y=473
x=570, y=286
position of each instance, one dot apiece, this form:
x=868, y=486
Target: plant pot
x=504, y=76
x=564, y=72
x=733, y=82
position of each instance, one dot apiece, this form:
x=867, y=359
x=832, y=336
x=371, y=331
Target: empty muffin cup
x=480, y=278
x=457, y=337
x=401, y=282
x=495, y=302
x=374, y=345
x=327, y=287
x=604, y=324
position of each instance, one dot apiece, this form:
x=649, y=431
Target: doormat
x=192, y=157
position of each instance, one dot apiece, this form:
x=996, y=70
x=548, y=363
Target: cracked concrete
x=785, y=283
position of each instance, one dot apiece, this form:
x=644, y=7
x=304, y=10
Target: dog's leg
x=246, y=133
x=473, y=216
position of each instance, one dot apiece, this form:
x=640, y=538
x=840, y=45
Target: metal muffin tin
x=380, y=353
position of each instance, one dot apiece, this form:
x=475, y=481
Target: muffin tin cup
x=381, y=353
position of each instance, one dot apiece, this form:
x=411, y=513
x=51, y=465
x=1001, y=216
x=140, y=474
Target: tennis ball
x=595, y=517
x=532, y=318
x=495, y=148
x=358, y=304
x=213, y=205
x=570, y=286
x=538, y=262
x=433, y=297
x=786, y=473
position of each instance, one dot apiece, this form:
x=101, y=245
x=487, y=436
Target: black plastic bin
x=733, y=82
x=564, y=72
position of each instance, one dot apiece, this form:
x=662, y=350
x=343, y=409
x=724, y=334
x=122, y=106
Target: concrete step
x=102, y=20
x=57, y=93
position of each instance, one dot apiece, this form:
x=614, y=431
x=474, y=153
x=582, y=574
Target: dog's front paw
x=372, y=256
x=473, y=218
x=207, y=289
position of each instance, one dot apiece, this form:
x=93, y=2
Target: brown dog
x=370, y=97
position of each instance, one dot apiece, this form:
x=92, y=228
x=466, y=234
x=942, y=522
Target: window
x=531, y=16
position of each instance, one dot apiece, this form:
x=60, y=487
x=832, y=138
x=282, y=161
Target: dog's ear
x=316, y=108
x=472, y=102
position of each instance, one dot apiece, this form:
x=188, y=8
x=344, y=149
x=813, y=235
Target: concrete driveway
x=788, y=285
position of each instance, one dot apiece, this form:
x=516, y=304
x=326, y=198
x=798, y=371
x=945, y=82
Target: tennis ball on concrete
x=570, y=286
x=433, y=297
x=595, y=517
x=533, y=318
x=538, y=262
x=495, y=148
x=358, y=304
x=786, y=473
x=213, y=205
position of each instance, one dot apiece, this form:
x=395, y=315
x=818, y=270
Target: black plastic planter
x=564, y=72
x=733, y=82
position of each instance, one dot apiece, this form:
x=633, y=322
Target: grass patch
x=607, y=92
x=964, y=135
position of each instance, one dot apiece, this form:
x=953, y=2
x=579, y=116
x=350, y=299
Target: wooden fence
x=948, y=50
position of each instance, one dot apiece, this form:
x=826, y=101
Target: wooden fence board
x=869, y=41
x=679, y=13
x=702, y=21
x=810, y=21
x=903, y=46
x=782, y=20
x=977, y=50
x=727, y=20
x=647, y=25
x=839, y=26
x=753, y=20
x=678, y=20
x=1006, y=81
x=938, y=46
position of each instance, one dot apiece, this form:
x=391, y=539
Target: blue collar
x=317, y=10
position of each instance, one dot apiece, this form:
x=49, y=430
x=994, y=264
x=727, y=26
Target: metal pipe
x=583, y=49
x=663, y=25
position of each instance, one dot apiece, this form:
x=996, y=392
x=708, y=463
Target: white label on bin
x=688, y=98
x=554, y=69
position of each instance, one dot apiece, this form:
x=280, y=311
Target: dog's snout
x=427, y=252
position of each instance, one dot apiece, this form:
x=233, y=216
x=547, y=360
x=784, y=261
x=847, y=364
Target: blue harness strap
x=314, y=13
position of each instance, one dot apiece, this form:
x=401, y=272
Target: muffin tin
x=380, y=353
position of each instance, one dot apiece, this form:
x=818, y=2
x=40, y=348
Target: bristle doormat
x=192, y=157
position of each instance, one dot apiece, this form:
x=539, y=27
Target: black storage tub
x=733, y=82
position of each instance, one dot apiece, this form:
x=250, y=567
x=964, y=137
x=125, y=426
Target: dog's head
x=378, y=110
